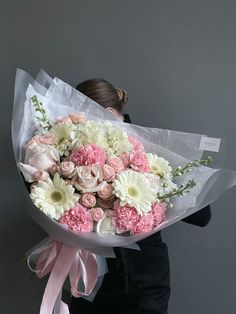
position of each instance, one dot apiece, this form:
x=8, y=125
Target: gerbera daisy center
x=132, y=192
x=56, y=196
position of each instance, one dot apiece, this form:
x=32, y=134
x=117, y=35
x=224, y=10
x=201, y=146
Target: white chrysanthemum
x=63, y=133
x=159, y=165
x=113, y=139
x=133, y=188
x=54, y=197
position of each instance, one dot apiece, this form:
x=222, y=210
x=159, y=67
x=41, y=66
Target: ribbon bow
x=60, y=260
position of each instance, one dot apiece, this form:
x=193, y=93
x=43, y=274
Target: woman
x=137, y=281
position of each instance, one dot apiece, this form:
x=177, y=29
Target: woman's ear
x=112, y=110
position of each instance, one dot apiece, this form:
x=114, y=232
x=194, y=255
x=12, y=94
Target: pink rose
x=96, y=213
x=88, y=155
x=89, y=178
x=139, y=162
x=126, y=217
x=137, y=145
x=67, y=169
x=78, y=219
x=77, y=117
x=116, y=163
x=41, y=156
x=108, y=173
x=41, y=139
x=65, y=119
x=41, y=175
x=87, y=200
x=145, y=224
x=158, y=212
x=106, y=192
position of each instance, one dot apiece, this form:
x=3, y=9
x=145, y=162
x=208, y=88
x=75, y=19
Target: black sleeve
x=200, y=218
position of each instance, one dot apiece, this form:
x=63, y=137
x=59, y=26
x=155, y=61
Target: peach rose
x=96, y=213
x=53, y=169
x=40, y=175
x=65, y=119
x=106, y=192
x=116, y=163
x=77, y=117
x=41, y=139
x=67, y=169
x=108, y=173
x=87, y=200
x=41, y=156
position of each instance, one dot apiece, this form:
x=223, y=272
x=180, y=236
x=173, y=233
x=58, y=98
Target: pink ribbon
x=59, y=260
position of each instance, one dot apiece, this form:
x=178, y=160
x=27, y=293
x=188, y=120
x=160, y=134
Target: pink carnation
x=139, y=161
x=126, y=217
x=125, y=158
x=78, y=219
x=116, y=163
x=137, y=145
x=145, y=224
x=88, y=155
x=158, y=212
x=65, y=119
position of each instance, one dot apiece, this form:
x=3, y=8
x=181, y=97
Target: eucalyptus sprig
x=179, y=191
x=193, y=164
x=42, y=118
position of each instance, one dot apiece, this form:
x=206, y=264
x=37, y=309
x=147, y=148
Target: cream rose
x=41, y=156
x=89, y=178
x=106, y=192
x=106, y=223
x=46, y=139
x=67, y=169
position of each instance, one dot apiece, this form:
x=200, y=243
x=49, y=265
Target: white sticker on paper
x=210, y=144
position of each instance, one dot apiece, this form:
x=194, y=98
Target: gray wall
x=177, y=61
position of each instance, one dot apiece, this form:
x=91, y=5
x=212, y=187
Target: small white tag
x=210, y=144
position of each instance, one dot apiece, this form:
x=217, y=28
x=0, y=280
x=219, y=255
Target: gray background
x=177, y=61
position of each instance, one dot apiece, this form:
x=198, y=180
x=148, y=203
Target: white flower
x=134, y=189
x=154, y=181
x=113, y=139
x=63, y=133
x=54, y=197
x=159, y=165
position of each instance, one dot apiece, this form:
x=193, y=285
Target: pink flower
x=158, y=212
x=125, y=158
x=96, y=213
x=87, y=200
x=89, y=178
x=53, y=169
x=106, y=192
x=41, y=139
x=145, y=224
x=108, y=173
x=65, y=119
x=88, y=155
x=41, y=175
x=67, y=168
x=126, y=217
x=77, y=117
x=139, y=161
x=77, y=219
x=116, y=163
x=137, y=145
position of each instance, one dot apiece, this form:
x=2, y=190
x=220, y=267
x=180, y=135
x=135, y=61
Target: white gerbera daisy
x=54, y=197
x=133, y=188
x=159, y=166
x=63, y=133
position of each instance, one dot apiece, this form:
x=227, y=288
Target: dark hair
x=104, y=93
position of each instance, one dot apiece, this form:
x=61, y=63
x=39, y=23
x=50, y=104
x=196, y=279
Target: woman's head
x=105, y=94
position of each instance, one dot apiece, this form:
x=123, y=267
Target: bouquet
x=96, y=183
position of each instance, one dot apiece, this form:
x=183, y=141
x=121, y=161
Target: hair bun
x=122, y=95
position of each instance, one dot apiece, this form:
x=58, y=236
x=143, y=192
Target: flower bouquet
x=97, y=183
